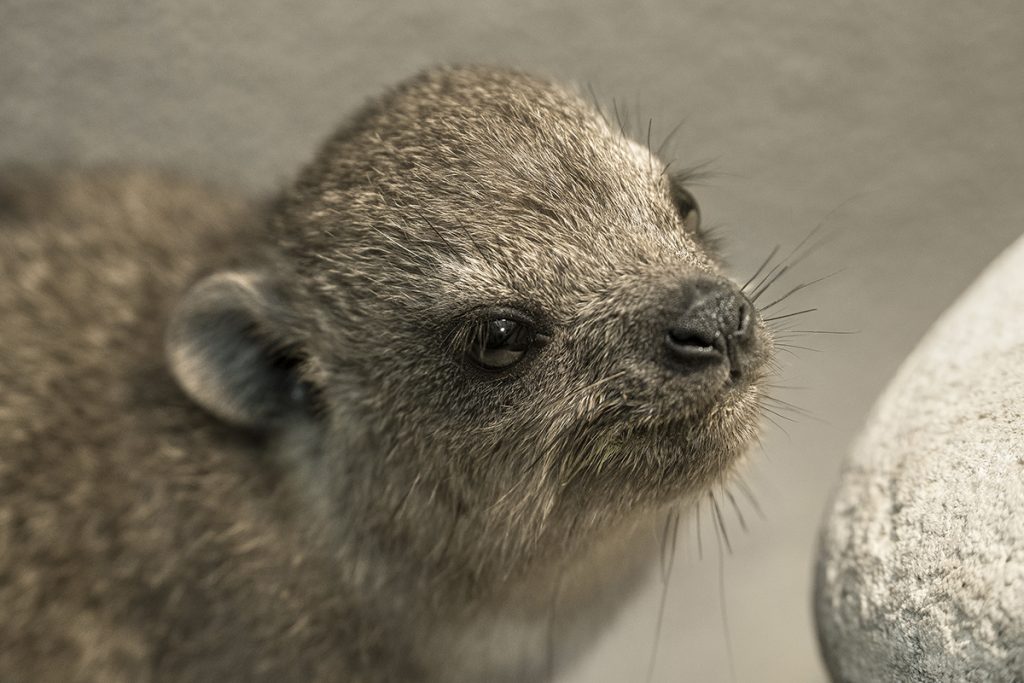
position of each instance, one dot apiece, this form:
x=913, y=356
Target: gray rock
x=921, y=566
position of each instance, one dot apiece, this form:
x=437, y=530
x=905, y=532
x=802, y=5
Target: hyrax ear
x=229, y=347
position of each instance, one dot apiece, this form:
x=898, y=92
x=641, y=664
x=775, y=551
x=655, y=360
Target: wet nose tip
x=714, y=324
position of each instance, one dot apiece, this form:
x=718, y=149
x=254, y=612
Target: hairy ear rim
x=222, y=346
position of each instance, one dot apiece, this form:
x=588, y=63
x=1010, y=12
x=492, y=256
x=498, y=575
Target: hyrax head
x=482, y=285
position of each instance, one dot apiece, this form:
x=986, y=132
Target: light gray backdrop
x=900, y=125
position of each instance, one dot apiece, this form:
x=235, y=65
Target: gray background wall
x=899, y=125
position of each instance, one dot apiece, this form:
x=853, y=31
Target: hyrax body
x=413, y=421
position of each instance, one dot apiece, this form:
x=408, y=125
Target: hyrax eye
x=687, y=207
x=500, y=343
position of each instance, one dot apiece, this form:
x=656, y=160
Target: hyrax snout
x=715, y=327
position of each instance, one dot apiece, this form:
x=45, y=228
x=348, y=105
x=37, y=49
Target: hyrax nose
x=712, y=323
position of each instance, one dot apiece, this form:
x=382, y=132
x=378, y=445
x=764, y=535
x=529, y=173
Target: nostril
x=695, y=344
x=691, y=338
x=744, y=316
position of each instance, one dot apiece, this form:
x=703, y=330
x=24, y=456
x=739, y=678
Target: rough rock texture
x=921, y=568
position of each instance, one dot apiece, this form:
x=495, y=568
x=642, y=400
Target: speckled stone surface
x=921, y=568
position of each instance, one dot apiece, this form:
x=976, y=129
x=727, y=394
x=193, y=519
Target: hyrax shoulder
x=369, y=431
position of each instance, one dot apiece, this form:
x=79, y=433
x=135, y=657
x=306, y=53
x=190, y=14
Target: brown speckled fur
x=415, y=515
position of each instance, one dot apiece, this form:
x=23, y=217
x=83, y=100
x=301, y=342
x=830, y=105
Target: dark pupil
x=503, y=342
x=505, y=334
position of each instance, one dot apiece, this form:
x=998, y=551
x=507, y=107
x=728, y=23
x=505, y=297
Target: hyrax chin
x=415, y=420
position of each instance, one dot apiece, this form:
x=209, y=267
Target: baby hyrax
x=413, y=421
